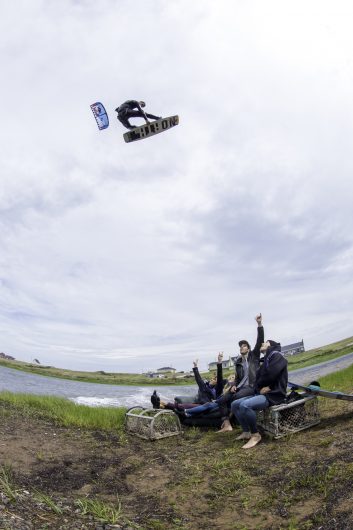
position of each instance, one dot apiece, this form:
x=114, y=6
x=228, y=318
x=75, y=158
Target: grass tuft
x=48, y=501
x=64, y=412
x=100, y=510
x=6, y=482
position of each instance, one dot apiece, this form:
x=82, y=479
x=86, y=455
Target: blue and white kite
x=101, y=115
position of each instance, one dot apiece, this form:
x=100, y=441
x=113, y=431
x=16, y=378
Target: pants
x=124, y=117
x=223, y=402
x=228, y=398
x=178, y=406
x=244, y=411
x=207, y=407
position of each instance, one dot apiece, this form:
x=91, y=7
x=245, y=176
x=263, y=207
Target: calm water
x=86, y=393
x=128, y=396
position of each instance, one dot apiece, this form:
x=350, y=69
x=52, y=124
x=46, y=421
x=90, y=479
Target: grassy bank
x=85, y=476
x=308, y=358
x=341, y=381
x=64, y=412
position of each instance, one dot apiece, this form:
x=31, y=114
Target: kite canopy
x=101, y=115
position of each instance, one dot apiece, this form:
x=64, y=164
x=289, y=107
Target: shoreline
x=302, y=360
x=80, y=469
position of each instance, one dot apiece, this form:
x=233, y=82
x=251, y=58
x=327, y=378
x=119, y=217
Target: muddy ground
x=195, y=481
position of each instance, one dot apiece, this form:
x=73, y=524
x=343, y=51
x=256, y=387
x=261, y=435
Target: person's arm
x=219, y=384
x=260, y=336
x=142, y=111
x=200, y=382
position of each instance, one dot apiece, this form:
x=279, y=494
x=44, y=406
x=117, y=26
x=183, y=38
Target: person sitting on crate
x=240, y=385
x=246, y=366
x=209, y=391
x=270, y=389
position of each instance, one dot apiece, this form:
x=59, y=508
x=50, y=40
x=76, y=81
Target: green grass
x=6, y=482
x=48, y=501
x=64, y=412
x=341, y=381
x=107, y=513
x=101, y=377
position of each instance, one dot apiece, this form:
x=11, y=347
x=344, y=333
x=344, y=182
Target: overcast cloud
x=130, y=257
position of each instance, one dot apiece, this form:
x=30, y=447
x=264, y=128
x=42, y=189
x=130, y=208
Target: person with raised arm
x=270, y=389
x=246, y=366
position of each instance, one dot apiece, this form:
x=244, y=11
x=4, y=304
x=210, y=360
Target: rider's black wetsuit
x=127, y=110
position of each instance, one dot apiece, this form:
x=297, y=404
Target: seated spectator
x=208, y=390
x=237, y=386
x=246, y=367
x=270, y=389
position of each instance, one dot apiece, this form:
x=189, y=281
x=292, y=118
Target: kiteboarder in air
x=133, y=109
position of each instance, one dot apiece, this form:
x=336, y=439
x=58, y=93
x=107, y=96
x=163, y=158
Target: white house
x=154, y=375
x=225, y=364
x=166, y=370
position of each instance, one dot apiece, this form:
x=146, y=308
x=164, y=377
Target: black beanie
x=241, y=342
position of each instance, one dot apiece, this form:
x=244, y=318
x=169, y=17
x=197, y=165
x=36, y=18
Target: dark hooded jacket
x=253, y=360
x=273, y=372
x=207, y=392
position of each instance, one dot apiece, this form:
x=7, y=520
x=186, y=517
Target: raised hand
x=220, y=357
x=195, y=363
x=258, y=319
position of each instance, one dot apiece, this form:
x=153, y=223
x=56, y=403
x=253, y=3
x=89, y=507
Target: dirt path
x=196, y=481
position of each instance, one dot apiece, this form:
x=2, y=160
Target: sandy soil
x=197, y=480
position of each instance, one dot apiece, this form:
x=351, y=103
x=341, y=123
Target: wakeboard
x=151, y=129
x=317, y=391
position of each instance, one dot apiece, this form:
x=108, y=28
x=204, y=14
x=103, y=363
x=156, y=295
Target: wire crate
x=280, y=420
x=152, y=424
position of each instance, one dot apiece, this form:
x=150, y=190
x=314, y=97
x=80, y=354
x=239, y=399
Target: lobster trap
x=281, y=420
x=152, y=424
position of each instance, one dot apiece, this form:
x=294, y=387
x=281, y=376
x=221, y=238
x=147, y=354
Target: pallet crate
x=152, y=424
x=280, y=420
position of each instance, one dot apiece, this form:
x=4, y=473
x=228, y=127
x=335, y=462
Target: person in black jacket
x=246, y=366
x=208, y=390
x=133, y=109
x=212, y=389
x=270, y=389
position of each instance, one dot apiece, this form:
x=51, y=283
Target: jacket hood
x=275, y=346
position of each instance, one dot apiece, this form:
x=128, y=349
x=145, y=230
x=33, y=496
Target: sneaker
x=155, y=400
x=254, y=440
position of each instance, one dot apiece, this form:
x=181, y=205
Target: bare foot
x=226, y=426
x=244, y=436
x=254, y=440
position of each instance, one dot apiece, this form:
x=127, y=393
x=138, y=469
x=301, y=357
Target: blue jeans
x=202, y=408
x=244, y=411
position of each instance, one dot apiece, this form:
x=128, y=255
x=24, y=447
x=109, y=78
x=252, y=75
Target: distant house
x=225, y=364
x=154, y=375
x=166, y=370
x=7, y=357
x=293, y=349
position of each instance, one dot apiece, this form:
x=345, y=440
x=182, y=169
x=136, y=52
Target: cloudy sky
x=130, y=257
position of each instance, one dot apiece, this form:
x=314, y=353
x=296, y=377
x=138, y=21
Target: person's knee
x=244, y=406
x=234, y=407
